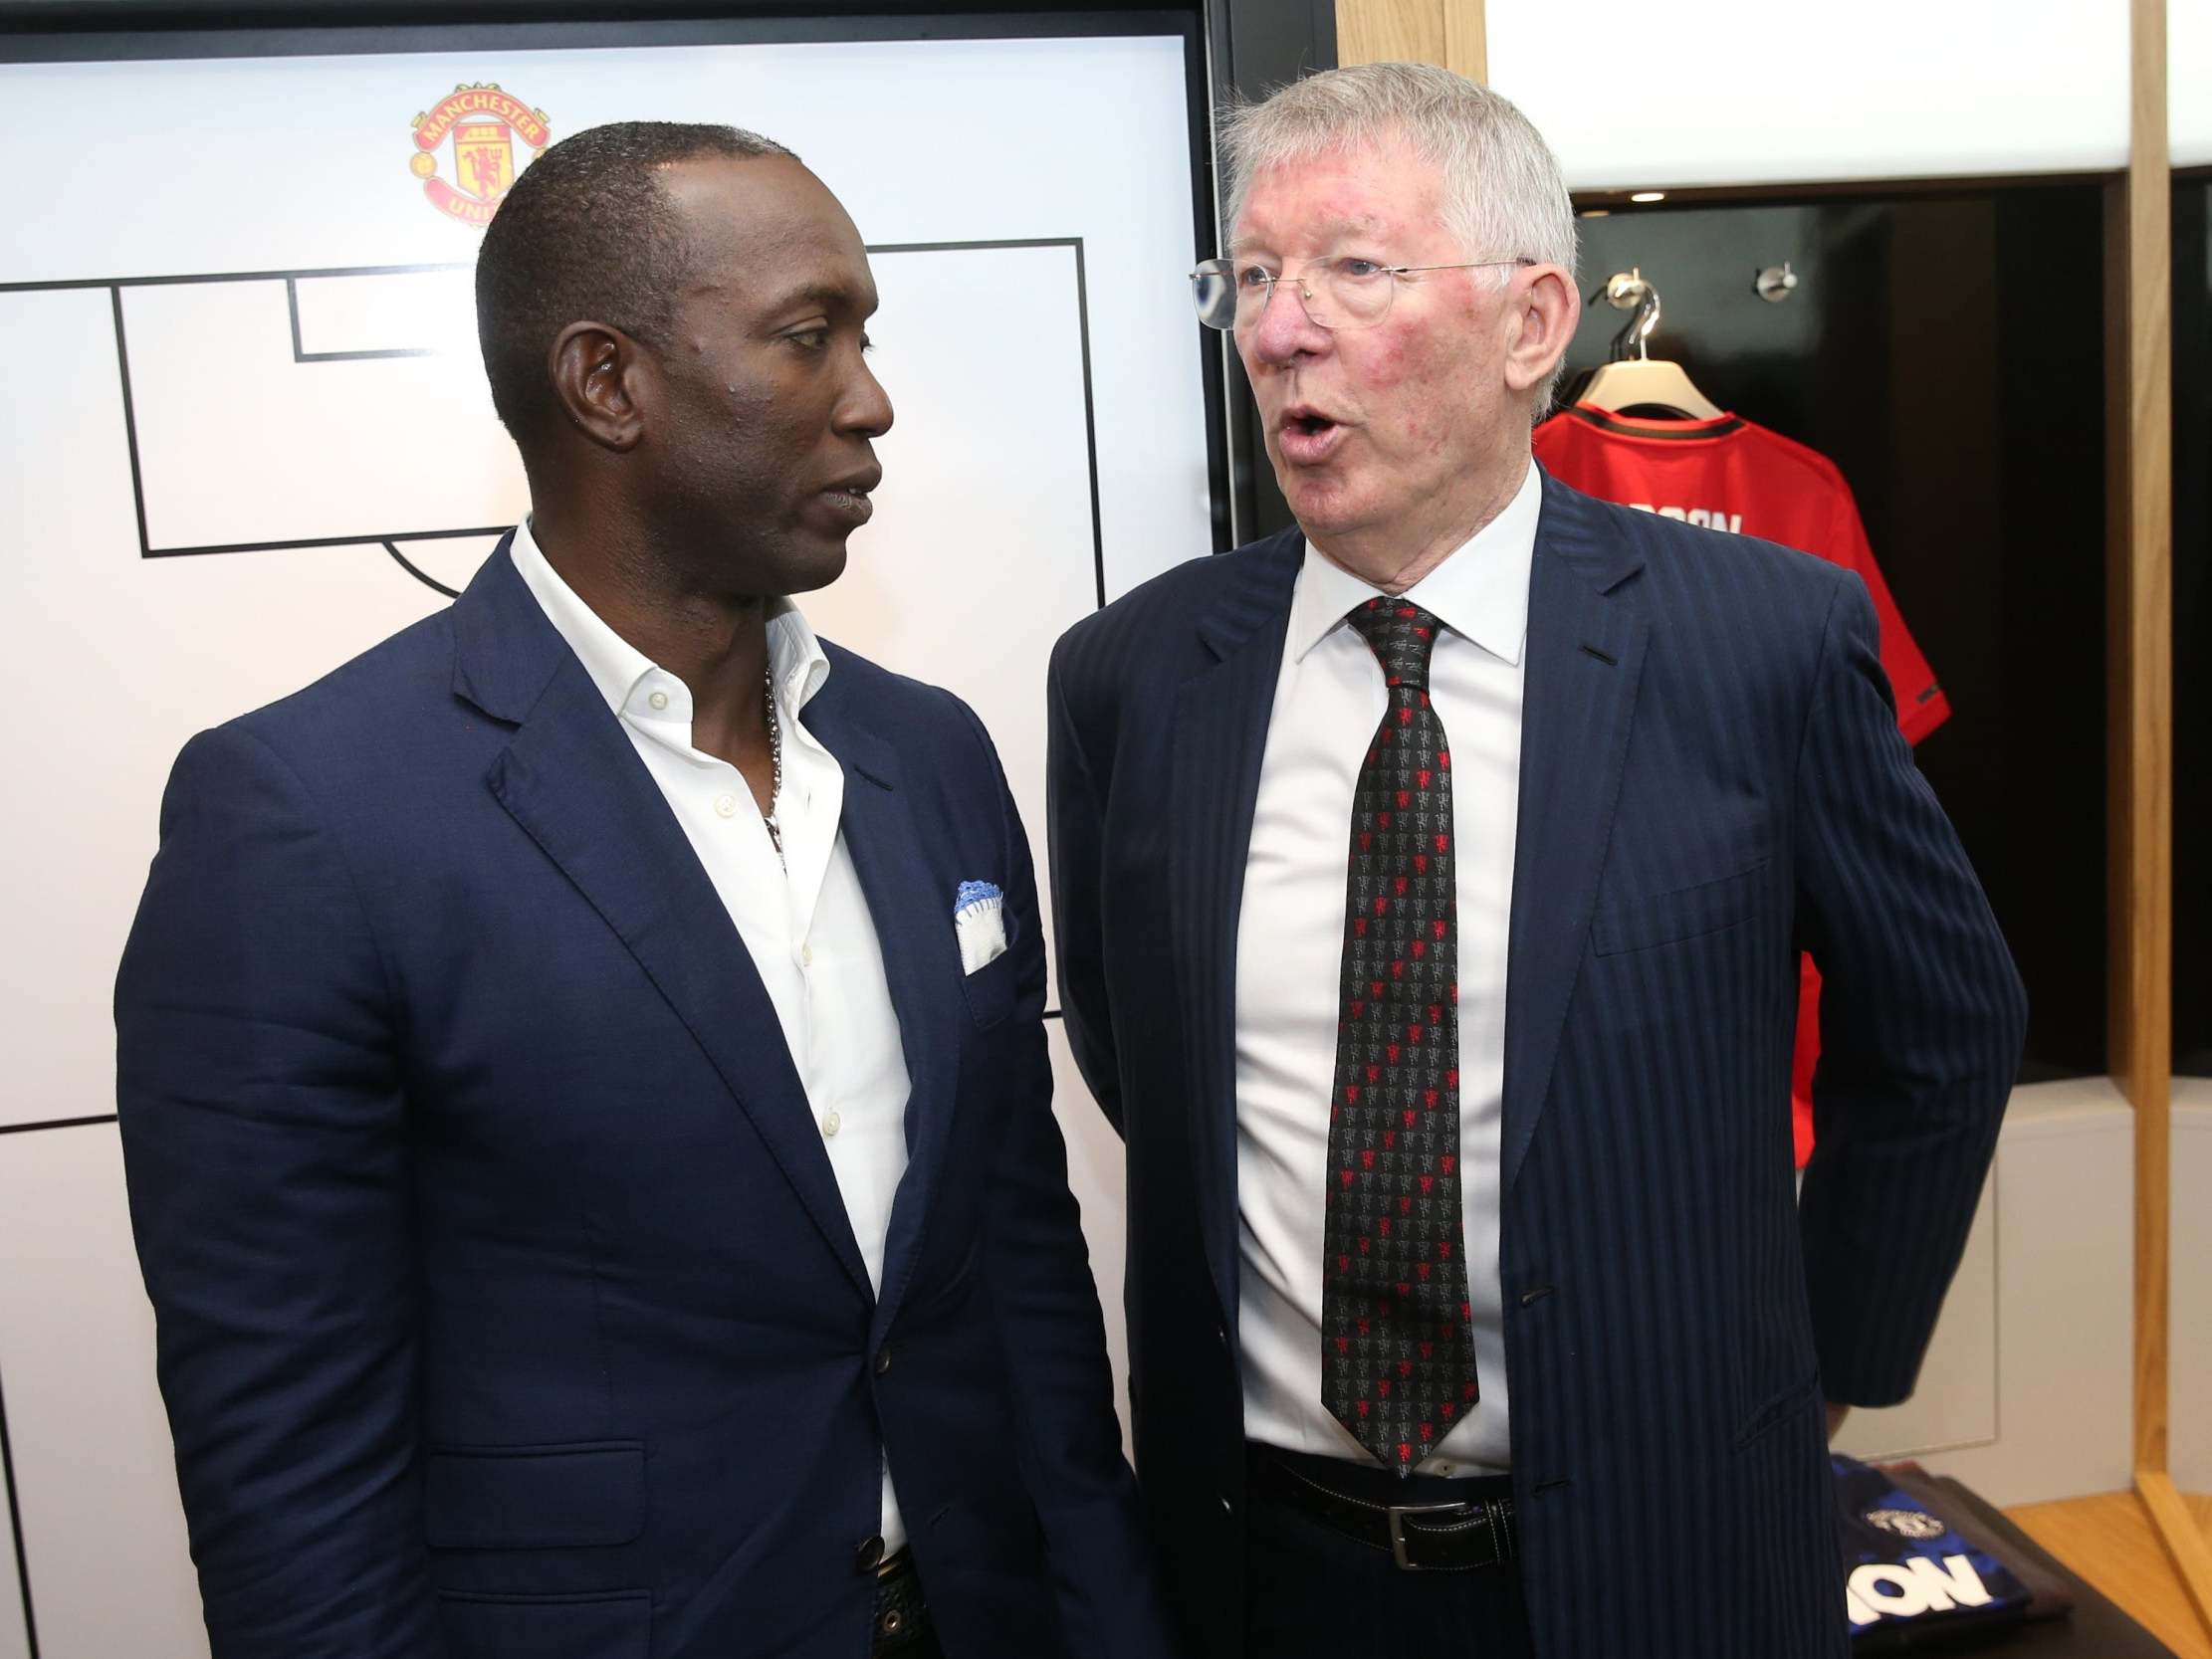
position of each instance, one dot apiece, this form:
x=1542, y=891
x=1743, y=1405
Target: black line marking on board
x=57, y=1123
x=75, y=31
x=421, y=575
x=378, y=353
x=301, y=354
x=1083, y=338
x=233, y=276
x=986, y=245
x=130, y=421
x=370, y=538
x=1090, y=422
x=15, y=1528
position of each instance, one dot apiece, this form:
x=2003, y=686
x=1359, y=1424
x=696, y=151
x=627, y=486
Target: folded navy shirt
x=1907, y=1571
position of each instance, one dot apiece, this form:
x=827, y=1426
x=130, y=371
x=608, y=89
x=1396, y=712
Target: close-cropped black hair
x=588, y=234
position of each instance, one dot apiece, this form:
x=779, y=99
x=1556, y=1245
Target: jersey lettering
x=1916, y=1586
x=1705, y=518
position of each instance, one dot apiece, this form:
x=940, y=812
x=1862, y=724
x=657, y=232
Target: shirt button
x=883, y=1361
x=658, y=700
x=868, y=1556
x=726, y=806
x=831, y=1123
x=1443, y=1468
x=806, y=956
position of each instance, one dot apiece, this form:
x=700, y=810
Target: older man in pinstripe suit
x=1429, y=883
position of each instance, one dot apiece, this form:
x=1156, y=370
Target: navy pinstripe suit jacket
x=1712, y=778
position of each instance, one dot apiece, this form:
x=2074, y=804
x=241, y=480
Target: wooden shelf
x=2109, y=1541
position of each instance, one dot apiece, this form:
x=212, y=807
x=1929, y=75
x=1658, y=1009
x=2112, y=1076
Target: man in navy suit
x=1429, y=885
x=581, y=1070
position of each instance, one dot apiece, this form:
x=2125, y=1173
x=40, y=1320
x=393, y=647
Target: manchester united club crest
x=1914, y=1524
x=476, y=128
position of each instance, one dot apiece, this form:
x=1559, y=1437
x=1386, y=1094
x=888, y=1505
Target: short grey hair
x=1504, y=195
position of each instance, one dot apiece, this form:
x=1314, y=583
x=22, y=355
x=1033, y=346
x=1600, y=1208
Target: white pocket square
x=980, y=923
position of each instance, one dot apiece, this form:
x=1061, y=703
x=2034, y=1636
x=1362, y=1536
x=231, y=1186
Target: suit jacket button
x=883, y=1361
x=868, y=1556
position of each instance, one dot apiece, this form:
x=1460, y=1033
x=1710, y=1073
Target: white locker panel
x=2065, y=1199
x=1745, y=92
x=2189, y=82
x=1955, y=1402
x=2189, y=1319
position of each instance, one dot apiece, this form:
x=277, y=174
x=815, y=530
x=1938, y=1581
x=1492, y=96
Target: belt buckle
x=1396, y=1513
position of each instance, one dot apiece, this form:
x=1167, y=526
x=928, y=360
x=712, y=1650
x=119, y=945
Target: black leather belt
x=902, y=1621
x=1440, y=1533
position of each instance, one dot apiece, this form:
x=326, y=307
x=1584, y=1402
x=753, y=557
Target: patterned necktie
x=1397, y=1360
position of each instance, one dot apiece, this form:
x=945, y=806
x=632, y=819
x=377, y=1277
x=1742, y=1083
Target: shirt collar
x=1479, y=592
x=796, y=656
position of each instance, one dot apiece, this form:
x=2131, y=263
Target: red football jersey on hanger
x=1735, y=476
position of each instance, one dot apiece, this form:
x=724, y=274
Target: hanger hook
x=1622, y=291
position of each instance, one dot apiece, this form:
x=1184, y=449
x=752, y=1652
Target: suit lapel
x=1586, y=647
x=1220, y=736
x=574, y=785
x=913, y=921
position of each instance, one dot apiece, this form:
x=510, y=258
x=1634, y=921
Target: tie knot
x=1401, y=634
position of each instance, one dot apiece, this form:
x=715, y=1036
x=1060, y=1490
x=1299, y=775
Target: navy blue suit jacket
x=507, y=1306
x=1712, y=778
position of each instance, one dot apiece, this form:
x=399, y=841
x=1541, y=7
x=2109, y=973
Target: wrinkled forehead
x=1367, y=192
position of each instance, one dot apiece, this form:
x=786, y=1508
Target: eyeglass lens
x=1337, y=292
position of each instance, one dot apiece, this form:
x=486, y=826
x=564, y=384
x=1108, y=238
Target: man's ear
x=1541, y=310
x=605, y=381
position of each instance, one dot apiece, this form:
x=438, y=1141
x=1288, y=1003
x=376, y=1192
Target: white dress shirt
x=806, y=926
x=1329, y=698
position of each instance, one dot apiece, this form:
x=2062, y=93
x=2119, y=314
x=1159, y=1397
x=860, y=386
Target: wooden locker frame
x=2138, y=554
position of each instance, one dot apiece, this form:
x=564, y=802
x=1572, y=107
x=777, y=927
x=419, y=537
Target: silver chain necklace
x=776, y=763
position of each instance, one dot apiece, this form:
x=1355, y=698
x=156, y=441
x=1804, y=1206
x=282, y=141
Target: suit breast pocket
x=989, y=989
x=1687, y=913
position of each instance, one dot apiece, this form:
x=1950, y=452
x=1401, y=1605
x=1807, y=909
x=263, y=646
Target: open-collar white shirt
x=803, y=918
x=1329, y=698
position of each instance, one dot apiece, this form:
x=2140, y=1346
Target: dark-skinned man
x=581, y=1077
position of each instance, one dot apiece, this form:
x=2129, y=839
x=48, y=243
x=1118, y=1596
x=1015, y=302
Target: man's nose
x=865, y=408
x=1284, y=330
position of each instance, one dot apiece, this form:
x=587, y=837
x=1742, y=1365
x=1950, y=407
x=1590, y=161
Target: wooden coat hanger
x=1642, y=381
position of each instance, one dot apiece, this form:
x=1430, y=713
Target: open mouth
x=1307, y=437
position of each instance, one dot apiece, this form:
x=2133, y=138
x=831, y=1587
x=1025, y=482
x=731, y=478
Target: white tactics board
x=251, y=437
